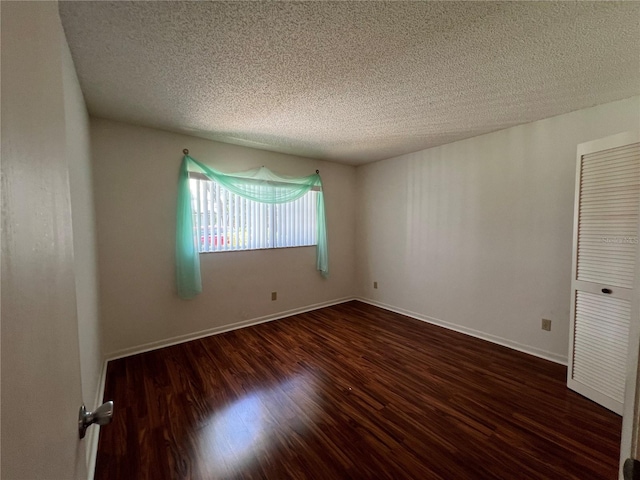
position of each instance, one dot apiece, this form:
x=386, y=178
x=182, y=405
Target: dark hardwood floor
x=350, y=391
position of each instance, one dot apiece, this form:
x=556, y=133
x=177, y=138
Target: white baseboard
x=224, y=328
x=537, y=352
x=93, y=433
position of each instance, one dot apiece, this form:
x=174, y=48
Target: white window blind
x=225, y=221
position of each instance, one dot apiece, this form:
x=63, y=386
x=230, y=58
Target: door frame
x=629, y=446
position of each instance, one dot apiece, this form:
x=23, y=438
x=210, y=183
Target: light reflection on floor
x=231, y=440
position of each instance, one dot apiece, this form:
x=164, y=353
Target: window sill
x=256, y=249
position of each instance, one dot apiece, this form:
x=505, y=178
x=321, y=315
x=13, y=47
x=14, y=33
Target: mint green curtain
x=259, y=185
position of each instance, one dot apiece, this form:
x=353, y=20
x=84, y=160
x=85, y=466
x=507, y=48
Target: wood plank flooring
x=350, y=392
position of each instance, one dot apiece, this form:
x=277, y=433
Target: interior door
x=41, y=385
x=604, y=251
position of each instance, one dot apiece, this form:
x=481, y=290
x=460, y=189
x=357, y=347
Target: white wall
x=135, y=176
x=84, y=237
x=478, y=233
x=44, y=131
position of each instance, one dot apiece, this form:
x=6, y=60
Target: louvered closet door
x=605, y=240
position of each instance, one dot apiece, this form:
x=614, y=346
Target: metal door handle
x=101, y=416
x=631, y=469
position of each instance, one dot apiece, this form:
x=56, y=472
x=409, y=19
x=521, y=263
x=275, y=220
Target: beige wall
x=44, y=131
x=477, y=234
x=135, y=177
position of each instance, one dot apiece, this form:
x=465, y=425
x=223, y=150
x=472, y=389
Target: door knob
x=631, y=469
x=101, y=416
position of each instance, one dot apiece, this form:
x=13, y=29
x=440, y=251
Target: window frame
x=269, y=217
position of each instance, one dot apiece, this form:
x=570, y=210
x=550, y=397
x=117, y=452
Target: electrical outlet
x=274, y=296
x=375, y=284
x=546, y=324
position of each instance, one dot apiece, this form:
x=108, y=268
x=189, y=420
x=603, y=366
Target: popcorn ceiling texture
x=352, y=82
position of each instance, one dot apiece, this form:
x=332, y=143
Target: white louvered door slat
x=601, y=352
x=601, y=263
x=605, y=239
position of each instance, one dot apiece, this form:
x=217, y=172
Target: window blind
x=225, y=221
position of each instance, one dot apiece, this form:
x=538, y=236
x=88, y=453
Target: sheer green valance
x=258, y=185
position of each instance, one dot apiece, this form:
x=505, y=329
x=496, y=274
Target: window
x=210, y=219
x=224, y=221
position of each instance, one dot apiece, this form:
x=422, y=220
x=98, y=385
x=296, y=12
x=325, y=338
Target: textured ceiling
x=351, y=82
